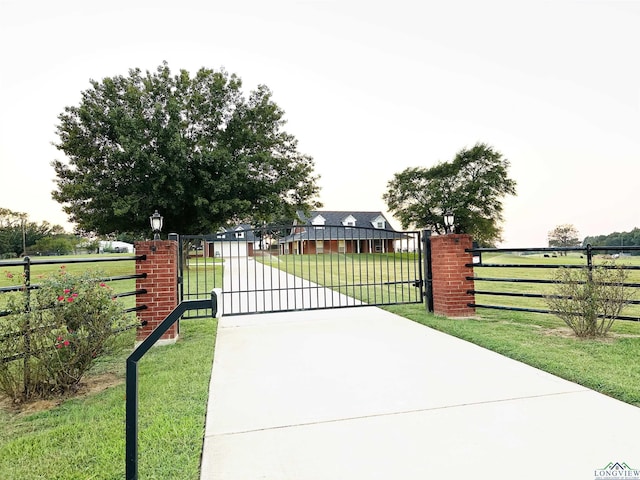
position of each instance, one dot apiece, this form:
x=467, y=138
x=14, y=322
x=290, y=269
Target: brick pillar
x=448, y=260
x=161, y=283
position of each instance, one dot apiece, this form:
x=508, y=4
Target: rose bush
x=55, y=333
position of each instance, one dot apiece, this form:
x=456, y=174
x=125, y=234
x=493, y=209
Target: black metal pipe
x=131, y=387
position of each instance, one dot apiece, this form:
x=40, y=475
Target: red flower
x=70, y=299
x=58, y=345
x=60, y=298
x=66, y=343
x=66, y=290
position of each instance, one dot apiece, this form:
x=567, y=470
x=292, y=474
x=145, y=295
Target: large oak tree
x=471, y=186
x=192, y=147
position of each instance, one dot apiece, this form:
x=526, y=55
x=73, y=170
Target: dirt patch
x=566, y=332
x=89, y=386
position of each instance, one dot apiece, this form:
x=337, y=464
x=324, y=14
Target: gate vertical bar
x=177, y=238
x=428, y=274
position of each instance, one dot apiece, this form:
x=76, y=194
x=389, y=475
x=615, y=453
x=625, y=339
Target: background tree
x=191, y=147
x=17, y=233
x=471, y=186
x=565, y=235
x=62, y=244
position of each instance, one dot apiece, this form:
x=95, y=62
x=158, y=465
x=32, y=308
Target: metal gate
x=274, y=269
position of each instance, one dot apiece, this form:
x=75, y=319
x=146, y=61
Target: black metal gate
x=273, y=269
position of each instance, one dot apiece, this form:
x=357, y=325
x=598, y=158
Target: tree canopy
x=471, y=186
x=565, y=235
x=192, y=147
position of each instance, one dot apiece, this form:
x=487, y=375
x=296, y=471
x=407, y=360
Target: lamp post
x=156, y=224
x=448, y=222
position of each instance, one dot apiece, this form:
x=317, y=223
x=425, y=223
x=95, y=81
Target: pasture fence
x=25, y=285
x=528, y=281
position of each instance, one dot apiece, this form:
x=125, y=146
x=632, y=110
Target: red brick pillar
x=449, y=272
x=161, y=284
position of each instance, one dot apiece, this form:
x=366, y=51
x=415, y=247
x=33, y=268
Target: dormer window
x=349, y=221
x=318, y=221
x=239, y=233
x=379, y=222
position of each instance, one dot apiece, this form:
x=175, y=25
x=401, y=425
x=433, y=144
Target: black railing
x=26, y=285
x=27, y=263
x=587, y=254
x=131, y=419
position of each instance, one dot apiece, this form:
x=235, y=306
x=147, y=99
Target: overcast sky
x=369, y=88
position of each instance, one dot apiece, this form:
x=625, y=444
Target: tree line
x=622, y=239
x=566, y=235
x=19, y=236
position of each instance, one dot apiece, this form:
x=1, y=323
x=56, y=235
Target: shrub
x=589, y=301
x=55, y=333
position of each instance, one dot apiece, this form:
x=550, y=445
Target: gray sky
x=369, y=88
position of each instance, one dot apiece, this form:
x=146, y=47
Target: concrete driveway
x=360, y=393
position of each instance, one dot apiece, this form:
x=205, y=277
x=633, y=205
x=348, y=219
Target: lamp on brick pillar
x=449, y=220
x=157, y=270
x=156, y=221
x=156, y=224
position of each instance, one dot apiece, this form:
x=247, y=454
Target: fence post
x=589, y=263
x=161, y=284
x=449, y=264
x=26, y=332
x=428, y=273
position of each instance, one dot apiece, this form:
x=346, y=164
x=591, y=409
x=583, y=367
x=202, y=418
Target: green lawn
x=83, y=438
x=379, y=278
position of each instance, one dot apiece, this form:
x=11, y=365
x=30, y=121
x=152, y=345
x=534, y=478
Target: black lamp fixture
x=156, y=224
x=448, y=222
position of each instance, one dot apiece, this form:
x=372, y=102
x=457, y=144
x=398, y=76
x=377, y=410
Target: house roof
x=230, y=233
x=338, y=217
x=332, y=224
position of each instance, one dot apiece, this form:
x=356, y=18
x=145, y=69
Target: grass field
x=379, y=278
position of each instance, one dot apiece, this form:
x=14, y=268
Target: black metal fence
x=26, y=285
x=305, y=267
x=505, y=277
